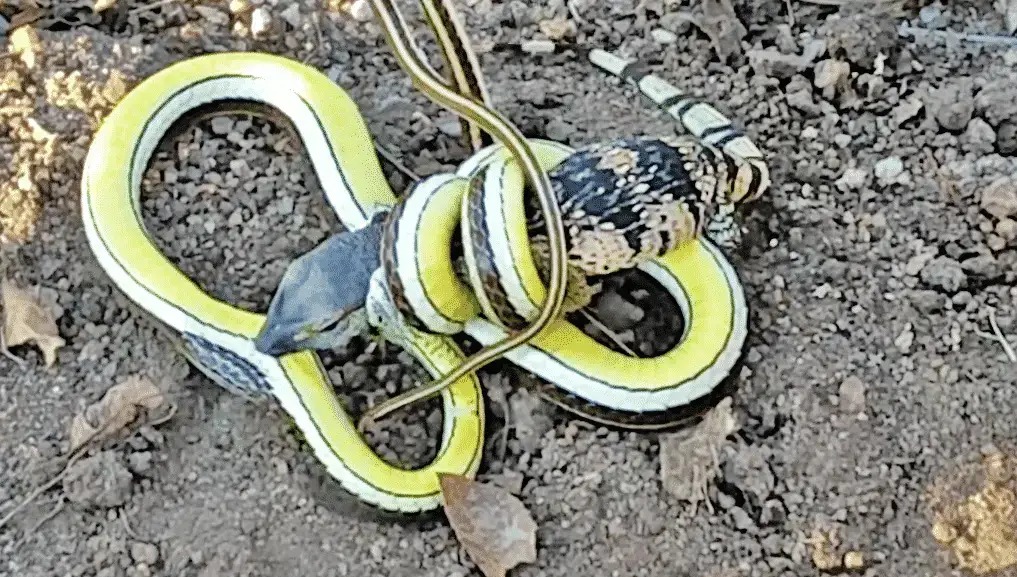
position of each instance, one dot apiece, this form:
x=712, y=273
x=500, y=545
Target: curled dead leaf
x=493, y=526
x=25, y=320
x=121, y=406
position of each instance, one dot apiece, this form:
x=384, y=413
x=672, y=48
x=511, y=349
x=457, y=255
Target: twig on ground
x=150, y=6
x=391, y=158
x=53, y=513
x=987, y=39
x=608, y=332
x=127, y=525
x=998, y=336
x=75, y=456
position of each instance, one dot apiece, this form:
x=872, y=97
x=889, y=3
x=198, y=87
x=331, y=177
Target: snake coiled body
x=653, y=228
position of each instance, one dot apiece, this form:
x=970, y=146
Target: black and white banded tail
x=751, y=176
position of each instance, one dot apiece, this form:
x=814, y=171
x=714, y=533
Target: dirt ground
x=873, y=398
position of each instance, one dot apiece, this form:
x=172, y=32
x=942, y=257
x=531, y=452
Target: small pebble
x=538, y=46
x=361, y=11
x=146, y=553
x=661, y=36
x=222, y=125
x=1000, y=198
x=852, y=179
x=261, y=21
x=852, y=395
x=292, y=15
x=888, y=169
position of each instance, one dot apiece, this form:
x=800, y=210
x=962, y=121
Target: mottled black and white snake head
x=320, y=302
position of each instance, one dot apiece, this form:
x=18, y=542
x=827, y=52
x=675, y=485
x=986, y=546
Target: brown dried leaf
x=115, y=88
x=115, y=411
x=493, y=526
x=26, y=320
x=688, y=460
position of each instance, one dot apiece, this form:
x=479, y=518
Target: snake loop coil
x=485, y=197
x=484, y=200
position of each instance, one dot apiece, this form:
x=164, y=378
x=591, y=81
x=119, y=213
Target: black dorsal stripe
x=734, y=134
x=633, y=71
x=716, y=130
x=688, y=105
x=757, y=179
x=670, y=101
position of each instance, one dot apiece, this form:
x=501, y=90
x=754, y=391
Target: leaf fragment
x=111, y=415
x=493, y=526
x=25, y=320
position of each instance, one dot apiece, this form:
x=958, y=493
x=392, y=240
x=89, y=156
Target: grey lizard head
x=320, y=302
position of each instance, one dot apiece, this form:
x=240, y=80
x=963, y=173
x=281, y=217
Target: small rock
x=915, y=264
x=292, y=15
x=945, y=273
x=742, y=520
x=558, y=129
x=261, y=21
x=953, y=105
x=1007, y=230
x=1000, y=198
x=904, y=340
x=361, y=11
x=852, y=395
x=1006, y=137
x=286, y=204
x=984, y=266
x=929, y=14
x=852, y=179
x=888, y=169
x=213, y=15
x=773, y=513
x=100, y=481
x=222, y=125
x=140, y=463
x=661, y=36
x=538, y=46
x=529, y=419
x=926, y=301
x=144, y=553
x=617, y=313
x=450, y=127
x=980, y=135
x=239, y=6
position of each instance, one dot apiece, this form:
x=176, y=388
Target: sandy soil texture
x=875, y=407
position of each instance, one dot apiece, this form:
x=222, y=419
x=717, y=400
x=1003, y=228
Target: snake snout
x=274, y=341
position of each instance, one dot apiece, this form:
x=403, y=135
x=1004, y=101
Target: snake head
x=320, y=302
